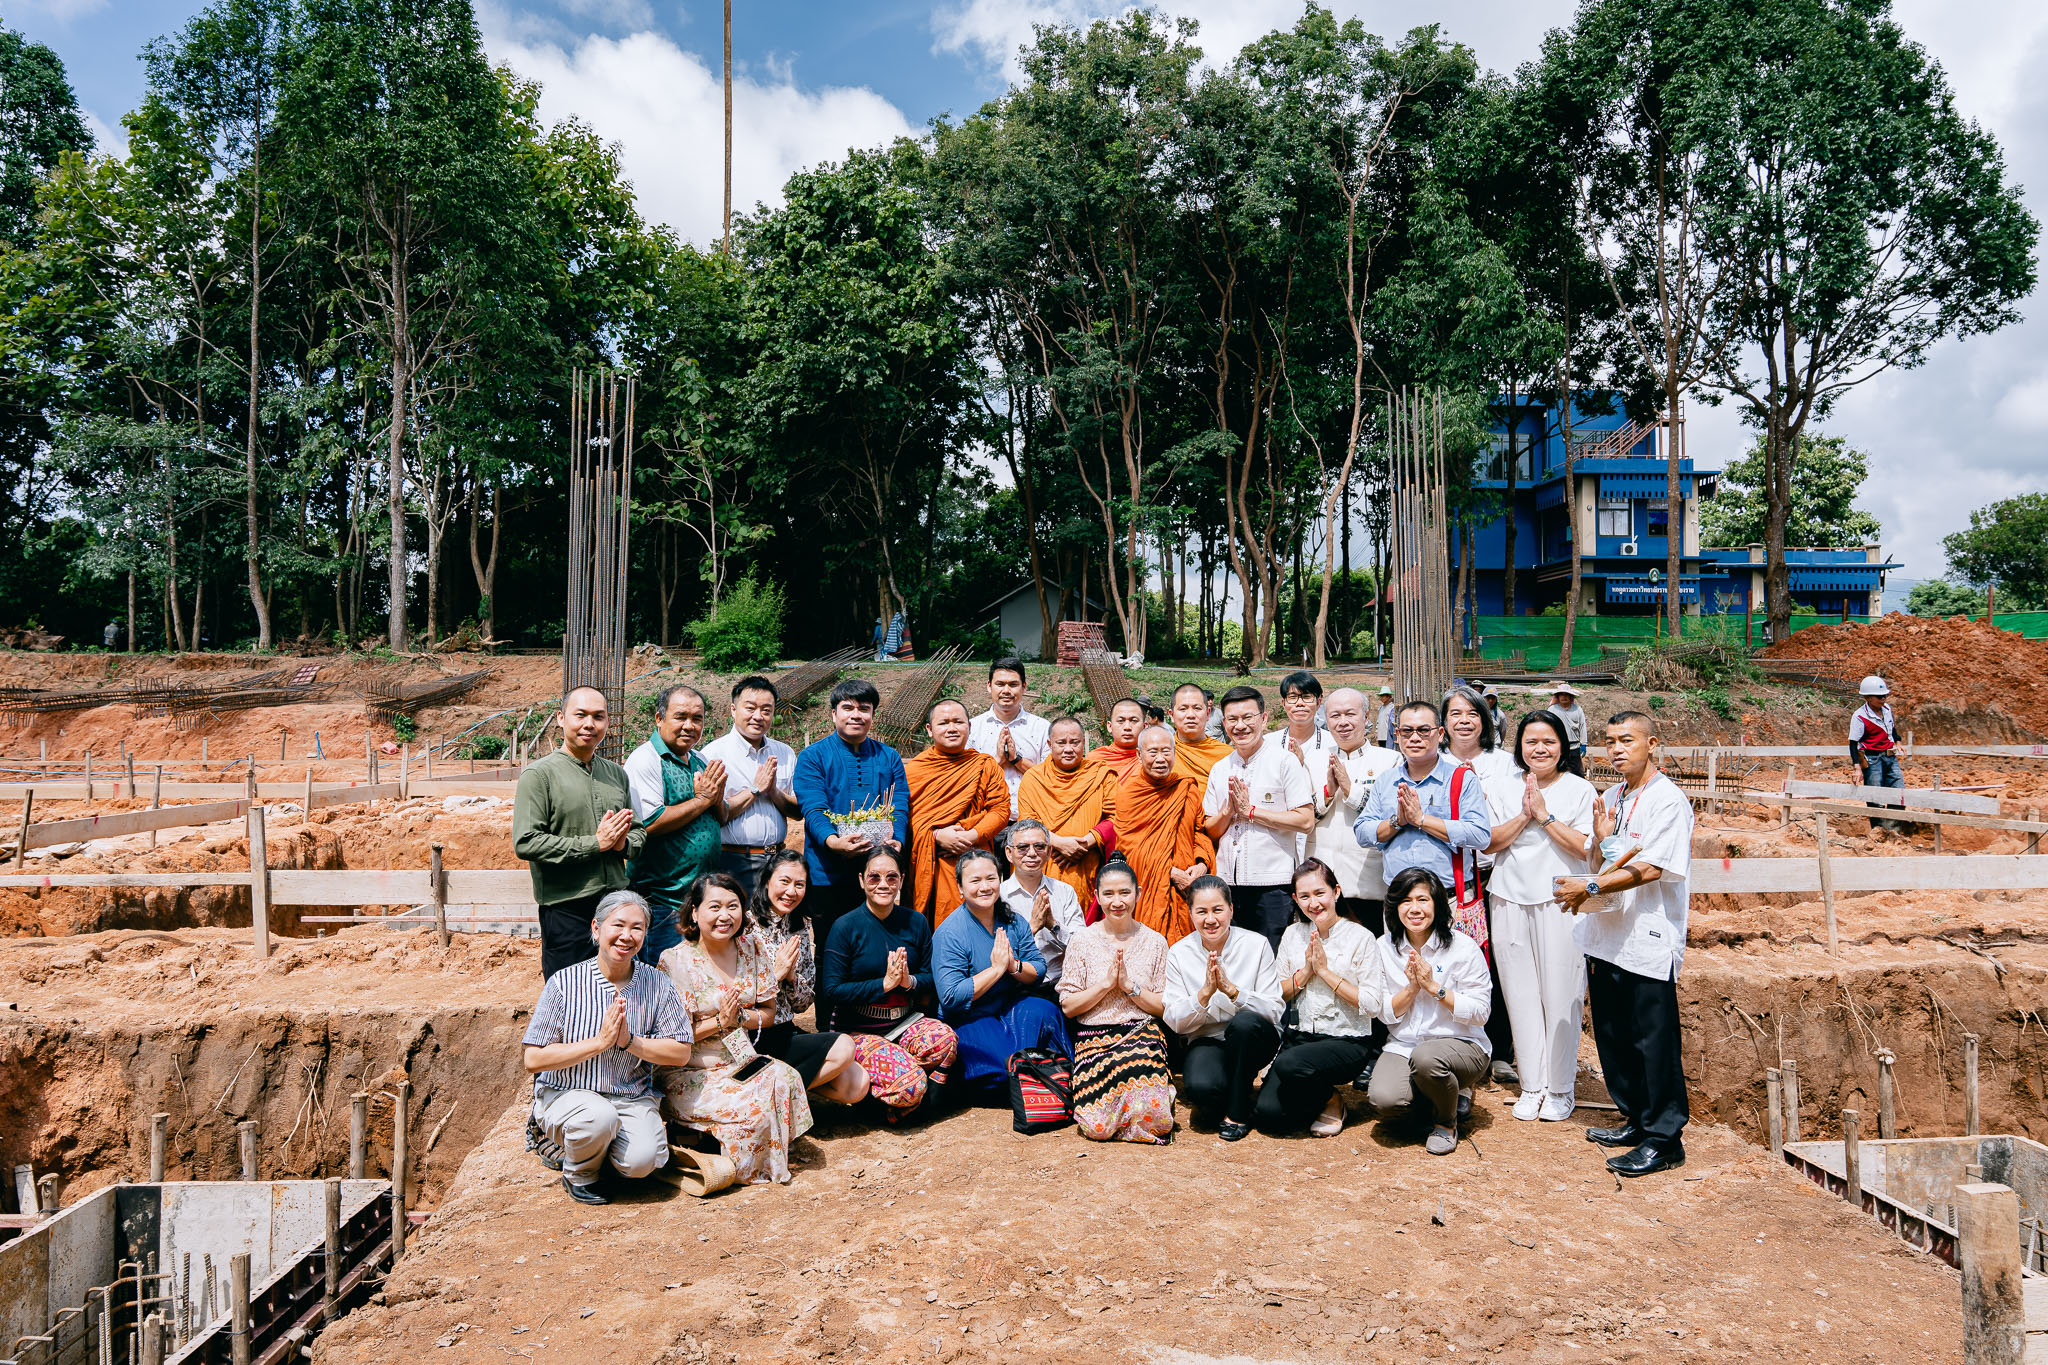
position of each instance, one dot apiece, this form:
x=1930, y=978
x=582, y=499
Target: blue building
x=1620, y=511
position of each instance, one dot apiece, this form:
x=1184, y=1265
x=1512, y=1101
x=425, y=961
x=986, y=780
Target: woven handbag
x=1041, y=1091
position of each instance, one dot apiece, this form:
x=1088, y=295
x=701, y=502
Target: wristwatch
x=1592, y=886
x=1548, y=821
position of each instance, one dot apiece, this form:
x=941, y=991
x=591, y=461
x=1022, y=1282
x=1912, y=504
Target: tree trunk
x=257, y=597
x=129, y=643
x=1778, y=506
x=1464, y=540
x=1674, y=506
x=486, y=571
x=401, y=378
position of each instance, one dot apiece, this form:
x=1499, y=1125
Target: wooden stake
x=399, y=1118
x=1827, y=881
x=202, y=752
x=259, y=882
x=404, y=771
x=159, y=1143
x=430, y=760
x=1937, y=828
x=1988, y=1246
x=128, y=761
x=438, y=886
x=1785, y=815
x=1790, y=1070
x=238, y=1288
x=1887, y=1124
x=1774, y=1119
x=1971, y=1126
x=88, y=774
x=1852, y=1157
x=333, y=1257
x=156, y=798
x=2033, y=840
x=284, y=736
x=358, y=1132
x=308, y=807
x=28, y=804
x=397, y=1225
x=247, y=1129
x=25, y=1187
x=153, y=1340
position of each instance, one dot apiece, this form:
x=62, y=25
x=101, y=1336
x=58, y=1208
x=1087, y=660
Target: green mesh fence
x=1538, y=639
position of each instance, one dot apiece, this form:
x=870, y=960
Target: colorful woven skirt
x=1123, y=1090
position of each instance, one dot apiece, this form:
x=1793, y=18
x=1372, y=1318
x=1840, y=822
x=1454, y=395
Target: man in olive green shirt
x=572, y=821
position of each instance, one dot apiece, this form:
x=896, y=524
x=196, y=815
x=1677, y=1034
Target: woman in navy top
x=985, y=962
x=877, y=976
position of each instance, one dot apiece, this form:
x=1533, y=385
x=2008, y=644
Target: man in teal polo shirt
x=678, y=800
x=572, y=822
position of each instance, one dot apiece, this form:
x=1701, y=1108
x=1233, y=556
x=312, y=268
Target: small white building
x=1016, y=615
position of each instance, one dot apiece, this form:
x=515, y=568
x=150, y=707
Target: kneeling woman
x=1438, y=994
x=776, y=917
x=1112, y=985
x=752, y=1104
x=985, y=962
x=597, y=1033
x=877, y=977
x=1330, y=973
x=1223, y=997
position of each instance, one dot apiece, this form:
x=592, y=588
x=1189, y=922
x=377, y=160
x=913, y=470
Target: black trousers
x=1372, y=914
x=1635, y=1028
x=1221, y=1072
x=1303, y=1076
x=1263, y=909
x=565, y=933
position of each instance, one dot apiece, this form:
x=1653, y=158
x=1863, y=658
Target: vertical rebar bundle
x=600, y=508
x=1421, y=538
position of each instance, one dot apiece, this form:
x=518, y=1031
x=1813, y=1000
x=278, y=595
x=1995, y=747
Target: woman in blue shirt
x=985, y=963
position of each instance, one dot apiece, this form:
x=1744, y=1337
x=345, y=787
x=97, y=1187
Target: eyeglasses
x=1029, y=848
x=1415, y=731
x=884, y=878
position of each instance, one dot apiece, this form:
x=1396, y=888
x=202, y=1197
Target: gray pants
x=591, y=1128
x=745, y=867
x=1438, y=1069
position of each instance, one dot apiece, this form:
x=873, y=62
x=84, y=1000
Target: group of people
x=1273, y=915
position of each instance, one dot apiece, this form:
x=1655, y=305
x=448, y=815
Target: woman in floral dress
x=726, y=980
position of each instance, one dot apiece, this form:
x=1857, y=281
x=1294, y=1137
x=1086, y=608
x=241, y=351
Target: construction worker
x=1873, y=743
x=1564, y=700
x=1383, y=719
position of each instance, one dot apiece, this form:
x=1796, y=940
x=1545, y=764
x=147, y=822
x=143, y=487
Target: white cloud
x=109, y=139
x=61, y=10
x=666, y=109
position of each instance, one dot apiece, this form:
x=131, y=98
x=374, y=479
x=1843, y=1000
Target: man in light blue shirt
x=1408, y=815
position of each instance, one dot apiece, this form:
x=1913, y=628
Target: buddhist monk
x=1073, y=796
x=1194, y=753
x=958, y=801
x=1120, y=755
x=1158, y=824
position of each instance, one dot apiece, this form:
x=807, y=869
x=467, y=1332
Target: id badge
x=738, y=1046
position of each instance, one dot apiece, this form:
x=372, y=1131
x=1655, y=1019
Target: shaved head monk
x=1120, y=755
x=1158, y=824
x=1073, y=796
x=958, y=800
x=1194, y=753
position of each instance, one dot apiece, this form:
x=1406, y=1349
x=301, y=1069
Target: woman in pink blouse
x=1113, y=986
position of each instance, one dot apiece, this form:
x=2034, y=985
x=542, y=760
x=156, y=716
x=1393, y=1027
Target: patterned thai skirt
x=1123, y=1089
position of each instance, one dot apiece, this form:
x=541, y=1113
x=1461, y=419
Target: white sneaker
x=1557, y=1108
x=1526, y=1107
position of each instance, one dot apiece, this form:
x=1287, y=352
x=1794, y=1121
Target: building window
x=1659, y=520
x=1502, y=446
x=1613, y=517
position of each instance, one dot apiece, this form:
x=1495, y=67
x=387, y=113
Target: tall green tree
x=1863, y=219
x=2006, y=547
x=1827, y=474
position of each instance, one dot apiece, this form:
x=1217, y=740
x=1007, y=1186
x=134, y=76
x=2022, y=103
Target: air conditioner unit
x=1628, y=547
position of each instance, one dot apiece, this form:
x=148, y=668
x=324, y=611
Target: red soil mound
x=1952, y=662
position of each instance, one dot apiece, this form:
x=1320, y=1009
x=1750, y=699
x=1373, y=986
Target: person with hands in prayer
x=1330, y=973
x=1257, y=805
x=1113, y=989
x=1438, y=994
x=1046, y=904
x=985, y=965
x=1223, y=999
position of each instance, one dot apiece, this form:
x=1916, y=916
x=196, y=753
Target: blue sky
x=1968, y=428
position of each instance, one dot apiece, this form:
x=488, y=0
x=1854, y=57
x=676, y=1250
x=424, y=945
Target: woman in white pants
x=1542, y=820
x=597, y=1033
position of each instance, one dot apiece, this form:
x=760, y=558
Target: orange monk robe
x=949, y=789
x=1118, y=760
x=1196, y=758
x=1071, y=805
x=1158, y=825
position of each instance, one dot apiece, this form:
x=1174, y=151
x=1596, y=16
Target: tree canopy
x=1827, y=474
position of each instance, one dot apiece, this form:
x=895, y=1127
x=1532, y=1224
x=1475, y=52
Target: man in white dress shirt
x=1342, y=783
x=1045, y=903
x=1006, y=732
x=1634, y=942
x=1258, y=800
x=759, y=771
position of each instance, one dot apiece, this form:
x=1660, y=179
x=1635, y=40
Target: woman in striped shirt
x=600, y=1028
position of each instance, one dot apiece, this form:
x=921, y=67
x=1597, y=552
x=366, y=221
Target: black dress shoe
x=583, y=1194
x=1627, y=1135
x=1648, y=1159
x=1232, y=1131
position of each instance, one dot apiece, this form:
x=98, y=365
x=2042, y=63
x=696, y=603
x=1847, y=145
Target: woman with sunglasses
x=877, y=977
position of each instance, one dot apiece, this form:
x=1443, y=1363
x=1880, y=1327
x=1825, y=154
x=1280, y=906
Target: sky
x=812, y=79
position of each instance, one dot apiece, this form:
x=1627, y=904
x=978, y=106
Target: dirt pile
x=1957, y=665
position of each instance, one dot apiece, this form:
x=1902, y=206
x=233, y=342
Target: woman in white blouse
x=1223, y=998
x=1438, y=994
x=1542, y=820
x=1329, y=972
